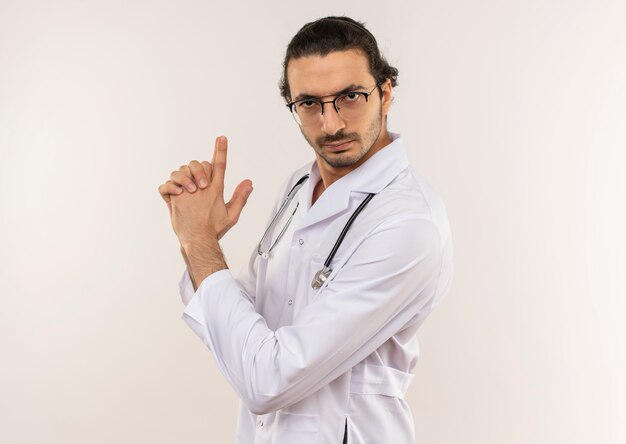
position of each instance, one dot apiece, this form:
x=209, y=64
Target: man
x=320, y=347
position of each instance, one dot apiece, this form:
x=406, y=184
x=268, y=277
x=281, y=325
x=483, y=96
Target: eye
x=306, y=104
x=351, y=97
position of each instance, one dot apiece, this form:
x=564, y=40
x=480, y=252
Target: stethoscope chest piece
x=321, y=277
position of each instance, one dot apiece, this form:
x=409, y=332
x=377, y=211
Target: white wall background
x=514, y=110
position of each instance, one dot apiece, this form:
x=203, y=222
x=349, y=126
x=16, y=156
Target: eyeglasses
x=349, y=105
x=278, y=217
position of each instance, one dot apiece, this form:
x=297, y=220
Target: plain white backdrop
x=515, y=111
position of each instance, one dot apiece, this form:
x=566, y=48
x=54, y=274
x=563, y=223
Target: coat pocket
x=296, y=428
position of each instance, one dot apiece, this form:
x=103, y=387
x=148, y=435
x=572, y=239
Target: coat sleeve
x=392, y=277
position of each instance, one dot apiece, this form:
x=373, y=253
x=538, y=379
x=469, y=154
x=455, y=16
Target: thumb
x=239, y=199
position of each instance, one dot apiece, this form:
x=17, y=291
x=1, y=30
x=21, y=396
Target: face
x=341, y=145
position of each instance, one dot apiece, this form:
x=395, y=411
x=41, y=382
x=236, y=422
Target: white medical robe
x=305, y=361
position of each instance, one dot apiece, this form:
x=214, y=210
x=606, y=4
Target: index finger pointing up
x=219, y=163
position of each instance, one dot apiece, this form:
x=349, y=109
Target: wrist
x=201, y=240
x=203, y=259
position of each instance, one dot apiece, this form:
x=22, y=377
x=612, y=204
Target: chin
x=342, y=160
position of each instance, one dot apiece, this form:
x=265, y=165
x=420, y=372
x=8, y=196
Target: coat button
x=301, y=241
x=290, y=301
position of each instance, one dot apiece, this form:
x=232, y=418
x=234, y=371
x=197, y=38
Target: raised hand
x=200, y=217
x=199, y=211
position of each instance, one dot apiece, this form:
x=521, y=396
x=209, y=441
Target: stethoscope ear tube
x=321, y=276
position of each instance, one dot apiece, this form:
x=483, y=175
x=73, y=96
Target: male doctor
x=320, y=347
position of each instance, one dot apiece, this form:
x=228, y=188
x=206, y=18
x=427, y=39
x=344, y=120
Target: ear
x=386, y=96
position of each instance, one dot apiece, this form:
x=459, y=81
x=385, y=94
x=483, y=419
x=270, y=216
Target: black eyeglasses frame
x=317, y=99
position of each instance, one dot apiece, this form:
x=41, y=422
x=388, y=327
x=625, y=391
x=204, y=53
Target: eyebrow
x=349, y=88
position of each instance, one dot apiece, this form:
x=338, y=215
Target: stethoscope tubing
x=322, y=275
x=331, y=256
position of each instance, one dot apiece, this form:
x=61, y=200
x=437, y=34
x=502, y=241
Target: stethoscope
x=322, y=275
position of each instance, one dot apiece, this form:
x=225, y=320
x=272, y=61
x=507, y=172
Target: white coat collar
x=371, y=177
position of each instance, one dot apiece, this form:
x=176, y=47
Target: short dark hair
x=329, y=34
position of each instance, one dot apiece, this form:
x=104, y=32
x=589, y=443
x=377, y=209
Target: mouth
x=338, y=146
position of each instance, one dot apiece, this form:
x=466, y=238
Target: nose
x=331, y=120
